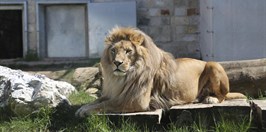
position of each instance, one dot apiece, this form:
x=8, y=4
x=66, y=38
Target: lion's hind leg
x=218, y=83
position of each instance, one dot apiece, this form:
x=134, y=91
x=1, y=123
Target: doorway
x=11, y=36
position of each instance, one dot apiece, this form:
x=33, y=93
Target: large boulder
x=24, y=93
x=88, y=76
x=89, y=80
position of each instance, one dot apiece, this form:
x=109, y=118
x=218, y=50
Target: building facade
x=61, y=28
x=186, y=28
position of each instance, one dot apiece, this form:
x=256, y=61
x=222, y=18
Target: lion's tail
x=235, y=96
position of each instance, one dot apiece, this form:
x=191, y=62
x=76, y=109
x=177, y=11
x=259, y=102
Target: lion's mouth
x=119, y=72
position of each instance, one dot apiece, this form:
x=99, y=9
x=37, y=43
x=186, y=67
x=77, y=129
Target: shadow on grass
x=63, y=117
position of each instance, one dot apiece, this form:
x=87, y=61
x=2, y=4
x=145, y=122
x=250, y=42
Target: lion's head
x=129, y=63
x=124, y=50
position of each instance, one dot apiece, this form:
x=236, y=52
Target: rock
x=247, y=76
x=94, y=92
x=85, y=73
x=87, y=77
x=24, y=93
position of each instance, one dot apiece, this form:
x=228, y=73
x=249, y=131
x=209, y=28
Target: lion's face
x=122, y=55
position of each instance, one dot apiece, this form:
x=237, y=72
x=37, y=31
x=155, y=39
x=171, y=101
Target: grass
x=31, y=56
x=232, y=126
x=37, y=121
x=80, y=98
x=221, y=122
x=262, y=95
x=63, y=118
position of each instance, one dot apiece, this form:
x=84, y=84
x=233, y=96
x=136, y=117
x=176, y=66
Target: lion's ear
x=108, y=40
x=136, y=39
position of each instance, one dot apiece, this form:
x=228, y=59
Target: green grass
x=63, y=118
x=262, y=95
x=38, y=121
x=222, y=122
x=232, y=126
x=80, y=98
x=31, y=56
x=186, y=128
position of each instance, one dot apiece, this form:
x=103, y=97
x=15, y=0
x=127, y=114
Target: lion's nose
x=118, y=63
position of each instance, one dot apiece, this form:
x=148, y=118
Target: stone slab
x=149, y=118
x=226, y=103
x=187, y=114
x=261, y=112
x=240, y=108
x=195, y=112
x=261, y=104
x=233, y=103
x=192, y=106
x=237, y=109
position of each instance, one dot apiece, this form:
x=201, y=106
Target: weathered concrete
x=233, y=103
x=151, y=14
x=187, y=114
x=247, y=76
x=260, y=115
x=237, y=110
x=150, y=118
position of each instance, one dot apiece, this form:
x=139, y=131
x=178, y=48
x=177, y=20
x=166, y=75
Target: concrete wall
x=65, y=27
x=32, y=31
x=173, y=24
x=232, y=29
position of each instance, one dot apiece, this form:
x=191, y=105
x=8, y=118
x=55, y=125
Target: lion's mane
x=153, y=67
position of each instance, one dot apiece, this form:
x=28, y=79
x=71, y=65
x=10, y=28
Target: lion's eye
x=113, y=51
x=128, y=51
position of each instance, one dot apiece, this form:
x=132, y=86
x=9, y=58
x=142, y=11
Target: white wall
x=237, y=29
x=66, y=31
x=103, y=17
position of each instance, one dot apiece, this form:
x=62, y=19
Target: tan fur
x=138, y=76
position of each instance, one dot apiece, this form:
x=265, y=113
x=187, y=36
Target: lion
x=139, y=76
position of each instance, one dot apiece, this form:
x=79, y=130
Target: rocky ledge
x=24, y=93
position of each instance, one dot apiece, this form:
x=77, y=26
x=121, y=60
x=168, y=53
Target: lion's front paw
x=210, y=100
x=83, y=111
